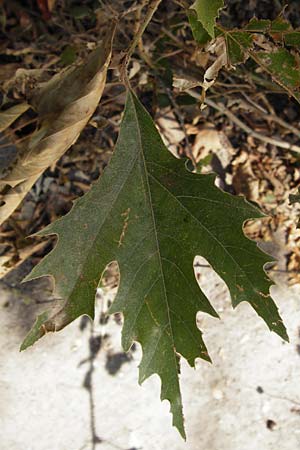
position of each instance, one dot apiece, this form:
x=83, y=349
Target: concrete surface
x=67, y=393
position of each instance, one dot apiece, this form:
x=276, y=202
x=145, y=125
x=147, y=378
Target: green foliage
x=199, y=33
x=153, y=216
x=207, y=12
x=272, y=45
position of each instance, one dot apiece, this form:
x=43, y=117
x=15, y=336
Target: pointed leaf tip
x=38, y=330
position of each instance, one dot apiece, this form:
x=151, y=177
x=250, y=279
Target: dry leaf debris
x=263, y=172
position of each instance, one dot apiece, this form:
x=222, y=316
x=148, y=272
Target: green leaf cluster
x=273, y=45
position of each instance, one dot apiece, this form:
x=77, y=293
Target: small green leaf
x=258, y=25
x=237, y=44
x=200, y=35
x=280, y=30
x=283, y=67
x=280, y=24
x=292, y=39
x=152, y=216
x=207, y=12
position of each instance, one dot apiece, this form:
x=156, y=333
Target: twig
x=223, y=110
x=151, y=10
x=253, y=103
x=16, y=142
x=133, y=8
x=11, y=131
x=294, y=130
x=184, y=4
x=178, y=113
x=106, y=6
x=273, y=117
x=167, y=55
x=141, y=49
x=175, y=40
x=153, y=5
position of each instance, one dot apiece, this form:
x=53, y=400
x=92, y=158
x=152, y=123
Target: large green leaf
x=207, y=12
x=152, y=216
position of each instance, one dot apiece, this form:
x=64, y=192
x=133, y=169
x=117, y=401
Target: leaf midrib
x=154, y=229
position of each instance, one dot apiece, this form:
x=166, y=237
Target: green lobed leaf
x=258, y=25
x=152, y=216
x=200, y=35
x=283, y=67
x=207, y=12
x=237, y=45
x=275, y=53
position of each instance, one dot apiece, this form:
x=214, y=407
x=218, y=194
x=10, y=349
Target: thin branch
x=272, y=117
x=223, y=110
x=153, y=5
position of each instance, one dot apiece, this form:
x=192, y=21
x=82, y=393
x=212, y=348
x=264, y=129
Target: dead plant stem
x=223, y=110
x=152, y=7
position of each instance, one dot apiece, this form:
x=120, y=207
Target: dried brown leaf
x=219, y=48
x=8, y=116
x=211, y=141
x=65, y=104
